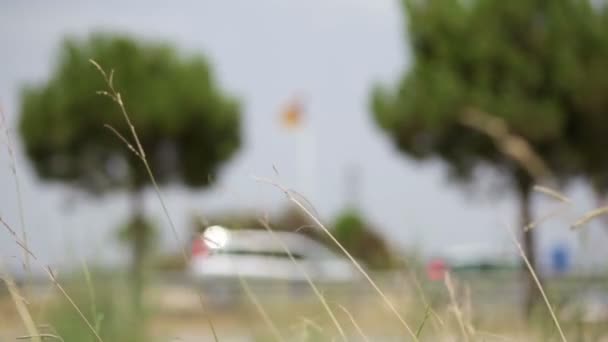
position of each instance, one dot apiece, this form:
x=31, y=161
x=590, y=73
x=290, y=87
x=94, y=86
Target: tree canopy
x=186, y=124
x=537, y=69
x=521, y=61
x=363, y=241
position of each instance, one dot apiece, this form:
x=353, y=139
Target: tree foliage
x=539, y=67
x=186, y=124
x=363, y=241
x=521, y=61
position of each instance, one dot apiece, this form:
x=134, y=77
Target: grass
x=21, y=305
x=321, y=226
x=312, y=285
x=302, y=316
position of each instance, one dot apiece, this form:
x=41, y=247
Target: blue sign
x=560, y=259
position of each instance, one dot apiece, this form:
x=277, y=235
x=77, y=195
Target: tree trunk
x=601, y=201
x=137, y=234
x=528, y=242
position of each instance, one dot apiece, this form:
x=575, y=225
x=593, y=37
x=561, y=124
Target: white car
x=221, y=257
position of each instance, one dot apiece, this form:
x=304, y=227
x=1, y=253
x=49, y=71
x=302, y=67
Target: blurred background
x=378, y=115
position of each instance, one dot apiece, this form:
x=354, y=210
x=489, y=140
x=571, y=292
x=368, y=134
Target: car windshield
x=244, y=252
x=259, y=242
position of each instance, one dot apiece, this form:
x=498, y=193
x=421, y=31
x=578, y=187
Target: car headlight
x=216, y=237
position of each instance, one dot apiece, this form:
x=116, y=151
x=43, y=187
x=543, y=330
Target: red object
x=436, y=269
x=199, y=248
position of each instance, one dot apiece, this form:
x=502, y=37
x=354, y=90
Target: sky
x=264, y=52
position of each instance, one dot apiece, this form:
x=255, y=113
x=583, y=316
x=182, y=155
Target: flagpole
x=305, y=160
x=296, y=120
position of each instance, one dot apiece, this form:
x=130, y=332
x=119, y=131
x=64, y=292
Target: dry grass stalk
x=590, y=216
x=510, y=144
x=468, y=310
x=316, y=290
x=43, y=336
x=13, y=168
x=427, y=312
x=20, y=304
x=305, y=324
x=455, y=308
x=355, y=324
x=494, y=336
x=320, y=225
x=551, y=214
x=54, y=280
x=538, y=284
x=552, y=193
x=138, y=150
x=437, y=322
x=566, y=202
x=92, y=297
x=52, y=277
x=260, y=309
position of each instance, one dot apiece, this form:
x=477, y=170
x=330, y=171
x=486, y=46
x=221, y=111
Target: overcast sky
x=263, y=51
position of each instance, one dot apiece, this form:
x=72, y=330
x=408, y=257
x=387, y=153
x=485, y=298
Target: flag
x=292, y=114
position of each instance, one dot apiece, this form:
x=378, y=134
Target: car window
x=275, y=254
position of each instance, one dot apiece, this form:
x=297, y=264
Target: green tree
x=362, y=241
x=517, y=61
x=185, y=123
x=587, y=75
